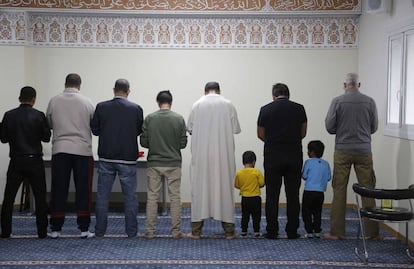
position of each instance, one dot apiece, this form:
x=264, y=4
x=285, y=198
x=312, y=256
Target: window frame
x=399, y=129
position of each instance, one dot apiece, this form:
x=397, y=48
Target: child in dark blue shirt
x=316, y=173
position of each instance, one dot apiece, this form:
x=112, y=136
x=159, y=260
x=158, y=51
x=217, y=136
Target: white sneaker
x=87, y=234
x=258, y=234
x=309, y=236
x=54, y=235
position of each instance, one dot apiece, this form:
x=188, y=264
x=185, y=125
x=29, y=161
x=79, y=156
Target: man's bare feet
x=230, y=237
x=332, y=237
x=179, y=235
x=377, y=237
x=192, y=236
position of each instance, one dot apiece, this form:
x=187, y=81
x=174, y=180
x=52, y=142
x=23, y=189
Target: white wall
x=246, y=77
x=393, y=157
x=12, y=77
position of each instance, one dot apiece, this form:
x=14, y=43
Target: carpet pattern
x=115, y=250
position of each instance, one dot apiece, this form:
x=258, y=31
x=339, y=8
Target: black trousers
x=63, y=164
x=312, y=203
x=31, y=169
x=283, y=167
x=251, y=206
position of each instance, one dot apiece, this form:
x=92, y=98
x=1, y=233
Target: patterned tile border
x=186, y=32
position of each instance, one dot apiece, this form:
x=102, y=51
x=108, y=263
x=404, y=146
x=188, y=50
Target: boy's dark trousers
x=251, y=206
x=312, y=203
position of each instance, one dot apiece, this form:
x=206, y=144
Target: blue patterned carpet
x=24, y=250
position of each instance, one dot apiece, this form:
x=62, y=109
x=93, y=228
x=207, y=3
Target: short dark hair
x=317, y=147
x=248, y=157
x=121, y=85
x=164, y=97
x=73, y=80
x=280, y=89
x=27, y=94
x=212, y=86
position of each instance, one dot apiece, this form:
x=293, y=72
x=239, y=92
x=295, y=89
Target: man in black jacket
x=281, y=125
x=24, y=128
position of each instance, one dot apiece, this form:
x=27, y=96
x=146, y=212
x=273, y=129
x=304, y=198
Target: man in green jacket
x=164, y=134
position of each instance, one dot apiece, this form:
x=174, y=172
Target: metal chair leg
x=364, y=240
x=357, y=241
x=409, y=254
x=408, y=251
x=361, y=233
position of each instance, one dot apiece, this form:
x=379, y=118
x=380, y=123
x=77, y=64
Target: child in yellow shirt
x=249, y=180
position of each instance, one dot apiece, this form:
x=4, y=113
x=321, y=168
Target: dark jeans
x=283, y=167
x=251, y=206
x=31, y=169
x=62, y=166
x=312, y=202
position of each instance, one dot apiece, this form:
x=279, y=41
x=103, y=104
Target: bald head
x=121, y=87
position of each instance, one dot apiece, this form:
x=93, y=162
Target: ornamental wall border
x=192, y=6
x=167, y=31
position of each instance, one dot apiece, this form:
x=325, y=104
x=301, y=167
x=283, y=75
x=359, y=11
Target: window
x=400, y=97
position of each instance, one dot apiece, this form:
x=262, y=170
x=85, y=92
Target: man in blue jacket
x=118, y=123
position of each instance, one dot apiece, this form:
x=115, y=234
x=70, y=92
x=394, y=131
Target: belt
x=27, y=156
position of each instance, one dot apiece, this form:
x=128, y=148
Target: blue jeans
x=127, y=174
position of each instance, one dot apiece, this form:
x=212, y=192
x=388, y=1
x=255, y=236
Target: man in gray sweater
x=164, y=134
x=69, y=114
x=352, y=117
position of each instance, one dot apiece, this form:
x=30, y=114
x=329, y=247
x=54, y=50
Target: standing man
x=164, y=134
x=212, y=123
x=282, y=125
x=69, y=115
x=24, y=128
x=352, y=117
x=118, y=123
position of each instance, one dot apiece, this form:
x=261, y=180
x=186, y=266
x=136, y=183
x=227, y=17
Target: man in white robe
x=212, y=124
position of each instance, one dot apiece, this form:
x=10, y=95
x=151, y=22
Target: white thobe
x=212, y=122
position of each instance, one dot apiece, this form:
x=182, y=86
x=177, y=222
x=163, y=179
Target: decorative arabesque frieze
x=72, y=30
x=266, y=6
x=195, y=24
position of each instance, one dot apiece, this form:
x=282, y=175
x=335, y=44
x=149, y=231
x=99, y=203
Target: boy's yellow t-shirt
x=249, y=181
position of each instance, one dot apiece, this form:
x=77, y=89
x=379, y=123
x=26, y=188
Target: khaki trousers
x=364, y=171
x=172, y=176
x=197, y=226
